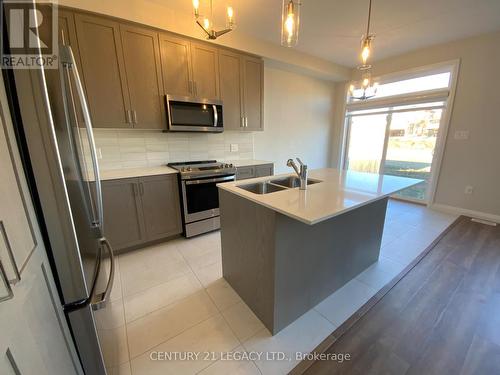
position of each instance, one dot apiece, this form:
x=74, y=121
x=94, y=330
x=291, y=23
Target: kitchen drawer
x=243, y=173
x=264, y=170
x=253, y=171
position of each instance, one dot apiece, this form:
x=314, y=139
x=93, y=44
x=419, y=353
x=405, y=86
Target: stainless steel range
x=199, y=195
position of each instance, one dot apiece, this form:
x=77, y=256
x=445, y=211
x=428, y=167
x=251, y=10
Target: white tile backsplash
x=149, y=148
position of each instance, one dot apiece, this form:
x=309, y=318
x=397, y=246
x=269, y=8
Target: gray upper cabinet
x=231, y=90
x=141, y=55
x=160, y=204
x=205, y=66
x=123, y=220
x=128, y=69
x=103, y=71
x=188, y=68
x=253, y=93
x=176, y=65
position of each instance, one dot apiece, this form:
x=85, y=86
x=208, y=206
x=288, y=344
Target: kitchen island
x=284, y=250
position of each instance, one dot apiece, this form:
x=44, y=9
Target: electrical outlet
x=234, y=147
x=461, y=135
x=469, y=189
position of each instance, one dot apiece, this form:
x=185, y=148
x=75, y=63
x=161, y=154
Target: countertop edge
x=230, y=189
x=118, y=174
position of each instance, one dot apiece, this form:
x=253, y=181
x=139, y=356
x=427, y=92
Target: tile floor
x=172, y=298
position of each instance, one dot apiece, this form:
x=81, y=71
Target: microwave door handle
x=216, y=115
x=90, y=134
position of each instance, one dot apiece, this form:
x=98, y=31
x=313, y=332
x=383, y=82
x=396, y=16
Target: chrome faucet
x=302, y=172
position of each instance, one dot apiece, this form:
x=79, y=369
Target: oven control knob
x=226, y=166
x=231, y=165
x=189, y=169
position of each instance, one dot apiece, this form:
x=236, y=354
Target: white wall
x=298, y=118
x=475, y=161
x=121, y=149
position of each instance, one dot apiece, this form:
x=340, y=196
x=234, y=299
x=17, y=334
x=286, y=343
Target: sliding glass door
x=397, y=133
x=366, y=143
x=410, y=148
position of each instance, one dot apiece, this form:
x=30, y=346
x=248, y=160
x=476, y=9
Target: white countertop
x=247, y=163
x=117, y=174
x=339, y=192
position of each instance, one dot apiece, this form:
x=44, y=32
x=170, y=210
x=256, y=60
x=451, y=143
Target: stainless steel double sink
x=278, y=184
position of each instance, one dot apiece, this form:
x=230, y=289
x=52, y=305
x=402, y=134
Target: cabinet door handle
x=135, y=116
x=242, y=122
x=129, y=117
x=8, y=246
x=246, y=122
x=134, y=188
x=141, y=188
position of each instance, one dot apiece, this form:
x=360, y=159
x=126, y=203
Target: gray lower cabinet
x=160, y=205
x=253, y=171
x=140, y=210
x=123, y=218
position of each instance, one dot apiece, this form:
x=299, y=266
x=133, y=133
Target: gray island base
x=282, y=267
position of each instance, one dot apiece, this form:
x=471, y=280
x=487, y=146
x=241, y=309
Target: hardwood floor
x=442, y=317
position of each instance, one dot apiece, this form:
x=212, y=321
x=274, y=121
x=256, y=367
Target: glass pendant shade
x=290, y=21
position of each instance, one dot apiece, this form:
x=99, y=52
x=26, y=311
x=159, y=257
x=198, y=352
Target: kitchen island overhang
x=286, y=251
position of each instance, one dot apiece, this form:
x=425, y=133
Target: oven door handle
x=211, y=180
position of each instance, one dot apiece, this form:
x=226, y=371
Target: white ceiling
x=331, y=29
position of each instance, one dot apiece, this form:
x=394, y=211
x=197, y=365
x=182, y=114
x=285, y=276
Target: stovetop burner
x=203, y=168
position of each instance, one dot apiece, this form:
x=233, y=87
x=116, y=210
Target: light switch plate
x=234, y=147
x=461, y=135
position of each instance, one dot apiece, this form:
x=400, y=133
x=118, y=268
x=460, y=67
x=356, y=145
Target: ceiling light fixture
x=367, y=88
x=290, y=23
x=207, y=22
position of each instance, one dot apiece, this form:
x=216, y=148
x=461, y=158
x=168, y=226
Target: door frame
x=453, y=66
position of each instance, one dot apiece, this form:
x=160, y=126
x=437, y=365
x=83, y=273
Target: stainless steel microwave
x=187, y=114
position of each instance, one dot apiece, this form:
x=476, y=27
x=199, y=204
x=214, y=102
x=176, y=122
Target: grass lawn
x=410, y=169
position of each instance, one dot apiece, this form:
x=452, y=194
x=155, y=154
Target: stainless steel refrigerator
x=61, y=148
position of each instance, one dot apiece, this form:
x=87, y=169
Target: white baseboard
x=463, y=211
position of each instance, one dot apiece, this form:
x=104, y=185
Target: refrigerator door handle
x=85, y=302
x=104, y=297
x=69, y=63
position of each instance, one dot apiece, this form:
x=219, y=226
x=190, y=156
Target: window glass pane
x=412, y=85
x=366, y=143
x=396, y=108
x=410, y=149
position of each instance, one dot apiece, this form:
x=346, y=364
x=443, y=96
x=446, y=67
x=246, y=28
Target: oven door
x=194, y=115
x=200, y=197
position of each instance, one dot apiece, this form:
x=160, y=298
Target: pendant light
x=290, y=20
x=367, y=88
x=206, y=22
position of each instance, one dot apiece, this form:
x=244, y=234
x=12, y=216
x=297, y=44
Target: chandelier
x=206, y=22
x=367, y=88
x=290, y=22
